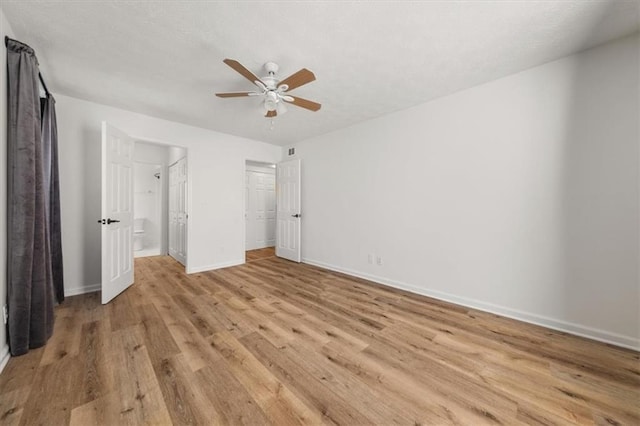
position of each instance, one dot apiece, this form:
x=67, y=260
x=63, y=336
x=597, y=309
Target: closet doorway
x=260, y=205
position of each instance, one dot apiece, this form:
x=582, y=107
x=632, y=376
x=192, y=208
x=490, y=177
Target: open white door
x=117, y=212
x=288, y=209
x=178, y=211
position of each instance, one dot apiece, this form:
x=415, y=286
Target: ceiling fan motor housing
x=269, y=80
x=271, y=67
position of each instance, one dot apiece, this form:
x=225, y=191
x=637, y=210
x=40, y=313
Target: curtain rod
x=44, y=86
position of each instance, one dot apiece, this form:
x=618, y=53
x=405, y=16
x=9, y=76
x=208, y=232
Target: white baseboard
x=261, y=246
x=552, y=323
x=147, y=253
x=214, y=266
x=74, y=291
x=4, y=356
x=96, y=287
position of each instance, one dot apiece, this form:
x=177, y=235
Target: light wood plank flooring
x=274, y=342
x=260, y=254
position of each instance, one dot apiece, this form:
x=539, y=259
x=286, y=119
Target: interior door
x=173, y=221
x=117, y=212
x=178, y=210
x=248, y=216
x=270, y=210
x=288, y=210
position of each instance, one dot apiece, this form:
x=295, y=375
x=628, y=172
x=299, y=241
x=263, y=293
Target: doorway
x=260, y=207
x=123, y=216
x=147, y=208
x=154, y=195
x=272, y=210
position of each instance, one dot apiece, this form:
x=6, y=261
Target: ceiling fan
x=274, y=91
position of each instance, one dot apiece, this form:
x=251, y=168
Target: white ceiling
x=164, y=58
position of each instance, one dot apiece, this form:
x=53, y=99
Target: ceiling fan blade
x=304, y=103
x=238, y=67
x=271, y=114
x=234, y=94
x=303, y=76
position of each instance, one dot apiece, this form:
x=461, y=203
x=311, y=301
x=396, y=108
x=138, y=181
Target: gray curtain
x=29, y=272
x=50, y=150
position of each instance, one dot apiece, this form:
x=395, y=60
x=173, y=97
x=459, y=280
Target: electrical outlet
x=5, y=314
x=379, y=260
x=370, y=259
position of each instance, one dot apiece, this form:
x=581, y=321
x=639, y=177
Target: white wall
x=216, y=186
x=519, y=196
x=151, y=153
x=175, y=154
x=5, y=30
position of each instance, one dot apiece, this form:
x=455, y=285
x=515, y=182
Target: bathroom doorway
x=147, y=209
x=151, y=198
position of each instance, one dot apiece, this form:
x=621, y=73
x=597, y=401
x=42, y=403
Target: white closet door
x=248, y=217
x=288, y=181
x=270, y=210
x=178, y=210
x=260, y=214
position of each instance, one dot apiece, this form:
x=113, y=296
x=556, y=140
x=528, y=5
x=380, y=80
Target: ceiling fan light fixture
x=270, y=105
x=281, y=108
x=271, y=96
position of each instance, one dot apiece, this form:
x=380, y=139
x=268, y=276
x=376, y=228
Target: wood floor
x=260, y=254
x=274, y=342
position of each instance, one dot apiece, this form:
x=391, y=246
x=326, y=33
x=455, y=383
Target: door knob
x=102, y=221
x=109, y=221
x=296, y=215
